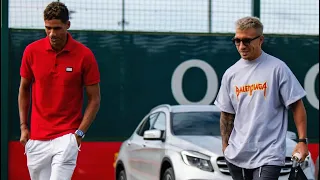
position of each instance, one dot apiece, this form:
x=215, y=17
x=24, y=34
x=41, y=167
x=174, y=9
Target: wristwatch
x=305, y=140
x=79, y=133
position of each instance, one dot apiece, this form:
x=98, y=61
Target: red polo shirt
x=58, y=85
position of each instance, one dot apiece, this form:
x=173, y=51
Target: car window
x=196, y=123
x=147, y=124
x=160, y=123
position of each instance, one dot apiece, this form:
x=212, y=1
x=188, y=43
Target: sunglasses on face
x=245, y=41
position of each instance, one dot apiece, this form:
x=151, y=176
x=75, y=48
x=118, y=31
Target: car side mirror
x=291, y=135
x=153, y=134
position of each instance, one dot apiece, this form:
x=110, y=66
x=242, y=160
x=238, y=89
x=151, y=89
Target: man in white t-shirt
x=255, y=95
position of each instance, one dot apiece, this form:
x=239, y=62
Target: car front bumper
x=185, y=172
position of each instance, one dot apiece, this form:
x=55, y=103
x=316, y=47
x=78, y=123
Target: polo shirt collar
x=68, y=47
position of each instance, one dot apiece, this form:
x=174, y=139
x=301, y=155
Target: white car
x=183, y=142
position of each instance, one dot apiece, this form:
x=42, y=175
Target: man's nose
x=52, y=33
x=241, y=45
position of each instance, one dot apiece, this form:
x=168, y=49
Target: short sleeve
x=223, y=101
x=290, y=88
x=91, y=74
x=25, y=68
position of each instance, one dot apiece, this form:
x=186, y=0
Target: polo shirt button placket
x=55, y=65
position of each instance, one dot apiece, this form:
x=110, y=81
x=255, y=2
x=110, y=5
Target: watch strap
x=305, y=140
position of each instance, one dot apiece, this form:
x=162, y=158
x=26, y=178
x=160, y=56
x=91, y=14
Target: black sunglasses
x=245, y=41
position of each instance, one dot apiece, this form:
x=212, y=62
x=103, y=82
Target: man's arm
x=300, y=119
x=24, y=105
x=93, y=93
x=24, y=100
x=226, y=127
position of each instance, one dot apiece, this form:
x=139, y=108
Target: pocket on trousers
x=75, y=141
x=27, y=146
x=70, y=154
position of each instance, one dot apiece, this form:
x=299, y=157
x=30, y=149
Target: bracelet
x=23, y=124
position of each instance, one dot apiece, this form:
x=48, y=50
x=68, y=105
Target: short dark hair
x=56, y=10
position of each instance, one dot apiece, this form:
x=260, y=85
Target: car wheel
x=168, y=174
x=122, y=175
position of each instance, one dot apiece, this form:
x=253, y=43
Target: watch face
x=79, y=133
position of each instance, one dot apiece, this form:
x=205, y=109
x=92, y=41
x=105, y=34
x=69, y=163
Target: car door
x=135, y=147
x=153, y=151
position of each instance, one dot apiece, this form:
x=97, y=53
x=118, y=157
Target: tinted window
x=160, y=123
x=196, y=123
x=147, y=124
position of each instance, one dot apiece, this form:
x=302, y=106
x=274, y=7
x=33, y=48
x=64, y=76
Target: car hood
x=212, y=145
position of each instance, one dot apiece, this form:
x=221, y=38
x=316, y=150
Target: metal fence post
x=210, y=15
x=4, y=87
x=255, y=8
x=123, y=15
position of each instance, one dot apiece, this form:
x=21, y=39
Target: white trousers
x=53, y=159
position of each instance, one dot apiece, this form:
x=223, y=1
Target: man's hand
x=301, y=148
x=24, y=135
x=24, y=104
x=79, y=139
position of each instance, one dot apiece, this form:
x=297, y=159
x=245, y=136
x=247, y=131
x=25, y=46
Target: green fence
x=137, y=73
x=4, y=88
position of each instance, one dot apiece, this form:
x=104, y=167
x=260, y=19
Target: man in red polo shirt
x=56, y=70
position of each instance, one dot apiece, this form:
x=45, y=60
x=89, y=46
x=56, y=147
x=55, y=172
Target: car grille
x=223, y=168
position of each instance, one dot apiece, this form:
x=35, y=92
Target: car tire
x=122, y=175
x=168, y=174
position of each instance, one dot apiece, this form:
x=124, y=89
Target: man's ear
x=261, y=40
x=68, y=24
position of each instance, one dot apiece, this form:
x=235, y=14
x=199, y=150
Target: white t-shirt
x=259, y=93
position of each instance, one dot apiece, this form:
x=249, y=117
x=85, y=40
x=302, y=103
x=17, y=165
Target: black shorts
x=266, y=172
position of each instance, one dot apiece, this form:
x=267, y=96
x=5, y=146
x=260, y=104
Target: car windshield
x=196, y=123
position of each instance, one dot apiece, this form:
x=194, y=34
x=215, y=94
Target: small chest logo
x=250, y=88
x=69, y=69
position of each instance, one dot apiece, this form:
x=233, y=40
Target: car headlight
x=198, y=160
